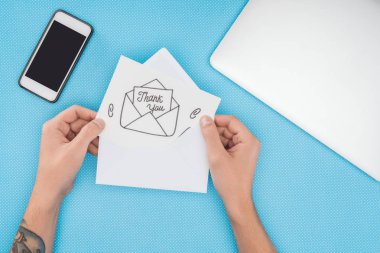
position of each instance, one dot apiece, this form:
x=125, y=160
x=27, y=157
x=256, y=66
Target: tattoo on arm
x=27, y=241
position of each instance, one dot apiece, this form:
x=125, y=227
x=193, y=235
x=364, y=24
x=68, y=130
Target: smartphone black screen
x=55, y=56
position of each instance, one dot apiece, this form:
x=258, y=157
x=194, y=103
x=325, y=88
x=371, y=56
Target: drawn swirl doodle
x=194, y=114
x=110, y=110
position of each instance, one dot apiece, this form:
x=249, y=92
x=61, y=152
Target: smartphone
x=55, y=56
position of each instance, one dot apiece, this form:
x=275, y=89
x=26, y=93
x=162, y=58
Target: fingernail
x=100, y=122
x=206, y=120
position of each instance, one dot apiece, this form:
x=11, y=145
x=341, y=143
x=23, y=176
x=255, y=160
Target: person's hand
x=232, y=154
x=64, y=143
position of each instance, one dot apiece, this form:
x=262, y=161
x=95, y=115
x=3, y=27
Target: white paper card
x=180, y=165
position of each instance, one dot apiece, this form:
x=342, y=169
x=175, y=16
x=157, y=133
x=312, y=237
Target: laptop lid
x=318, y=64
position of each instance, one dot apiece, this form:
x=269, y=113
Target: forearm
x=65, y=140
x=37, y=230
x=249, y=232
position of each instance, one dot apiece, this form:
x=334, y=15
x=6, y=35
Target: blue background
x=309, y=198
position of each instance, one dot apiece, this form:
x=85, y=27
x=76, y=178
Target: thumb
x=89, y=132
x=215, y=148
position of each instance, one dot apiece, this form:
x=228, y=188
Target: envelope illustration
x=132, y=119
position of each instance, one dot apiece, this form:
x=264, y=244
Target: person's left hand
x=64, y=143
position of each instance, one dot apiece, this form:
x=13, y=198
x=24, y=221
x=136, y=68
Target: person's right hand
x=232, y=154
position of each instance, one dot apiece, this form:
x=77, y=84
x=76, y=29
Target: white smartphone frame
x=72, y=23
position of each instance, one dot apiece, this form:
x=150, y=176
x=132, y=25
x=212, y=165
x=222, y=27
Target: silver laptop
x=318, y=64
